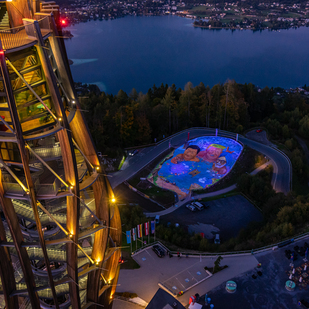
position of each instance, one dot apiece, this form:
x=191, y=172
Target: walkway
x=240, y=268
x=154, y=270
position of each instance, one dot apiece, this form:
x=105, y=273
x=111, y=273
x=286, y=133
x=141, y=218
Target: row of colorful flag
x=138, y=231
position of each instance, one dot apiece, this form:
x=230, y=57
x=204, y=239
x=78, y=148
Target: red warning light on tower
x=63, y=22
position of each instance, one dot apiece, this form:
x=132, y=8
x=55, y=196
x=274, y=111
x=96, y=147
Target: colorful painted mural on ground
x=196, y=165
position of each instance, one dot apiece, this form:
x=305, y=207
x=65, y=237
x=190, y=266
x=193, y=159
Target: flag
x=146, y=228
x=140, y=230
x=153, y=227
x=128, y=234
x=134, y=233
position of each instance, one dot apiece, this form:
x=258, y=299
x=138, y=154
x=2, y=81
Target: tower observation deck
x=60, y=232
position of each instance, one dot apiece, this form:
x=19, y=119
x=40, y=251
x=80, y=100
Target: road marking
x=193, y=277
x=180, y=282
x=149, y=254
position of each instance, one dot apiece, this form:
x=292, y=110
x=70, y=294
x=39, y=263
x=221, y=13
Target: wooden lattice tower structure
x=60, y=232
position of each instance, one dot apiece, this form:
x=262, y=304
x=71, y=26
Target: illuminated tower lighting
x=55, y=250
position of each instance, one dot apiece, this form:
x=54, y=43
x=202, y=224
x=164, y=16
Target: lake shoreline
x=140, y=52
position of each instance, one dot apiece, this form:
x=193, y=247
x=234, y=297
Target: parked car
x=191, y=207
x=198, y=205
x=158, y=250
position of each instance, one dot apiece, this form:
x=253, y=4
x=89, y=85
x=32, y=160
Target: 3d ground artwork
x=196, y=165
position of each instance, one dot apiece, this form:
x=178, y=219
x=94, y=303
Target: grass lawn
x=129, y=263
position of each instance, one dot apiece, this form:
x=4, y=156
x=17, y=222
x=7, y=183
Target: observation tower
x=60, y=230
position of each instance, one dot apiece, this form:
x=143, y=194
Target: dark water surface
x=137, y=52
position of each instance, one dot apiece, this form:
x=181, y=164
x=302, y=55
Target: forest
x=126, y=120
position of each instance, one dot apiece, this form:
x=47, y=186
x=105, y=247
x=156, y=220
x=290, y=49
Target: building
x=163, y=300
x=60, y=232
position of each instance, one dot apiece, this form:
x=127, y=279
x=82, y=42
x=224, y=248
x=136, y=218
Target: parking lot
x=226, y=216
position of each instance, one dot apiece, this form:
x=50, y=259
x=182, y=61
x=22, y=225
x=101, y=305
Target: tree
x=217, y=264
x=133, y=94
x=168, y=101
x=285, y=132
x=304, y=126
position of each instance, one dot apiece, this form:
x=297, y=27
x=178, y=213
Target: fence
x=22, y=35
x=233, y=253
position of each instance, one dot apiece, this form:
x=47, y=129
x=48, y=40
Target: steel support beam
x=7, y=273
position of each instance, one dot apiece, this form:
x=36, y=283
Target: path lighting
x=97, y=168
x=113, y=200
x=70, y=235
x=60, y=119
x=73, y=101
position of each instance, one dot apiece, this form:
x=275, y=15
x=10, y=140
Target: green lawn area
x=129, y=263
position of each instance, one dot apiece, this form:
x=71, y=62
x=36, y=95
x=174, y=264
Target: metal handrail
x=18, y=36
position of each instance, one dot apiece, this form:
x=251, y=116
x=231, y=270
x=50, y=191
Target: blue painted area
x=210, y=159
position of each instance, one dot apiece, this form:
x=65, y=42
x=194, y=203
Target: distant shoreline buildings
x=231, y=15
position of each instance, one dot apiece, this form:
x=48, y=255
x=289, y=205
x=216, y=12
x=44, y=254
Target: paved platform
x=144, y=281
x=186, y=279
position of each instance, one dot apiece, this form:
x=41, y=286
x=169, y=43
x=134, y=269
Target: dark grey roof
x=162, y=299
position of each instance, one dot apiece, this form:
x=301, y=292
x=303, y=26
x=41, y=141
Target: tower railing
x=12, y=38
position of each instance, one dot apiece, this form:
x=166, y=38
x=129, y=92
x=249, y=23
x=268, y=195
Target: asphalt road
x=282, y=167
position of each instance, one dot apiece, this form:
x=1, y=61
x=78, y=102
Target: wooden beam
x=8, y=208
x=25, y=162
x=70, y=170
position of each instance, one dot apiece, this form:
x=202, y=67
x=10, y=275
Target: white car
x=191, y=207
x=198, y=205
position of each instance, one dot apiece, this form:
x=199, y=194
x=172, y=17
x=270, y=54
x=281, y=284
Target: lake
x=137, y=52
